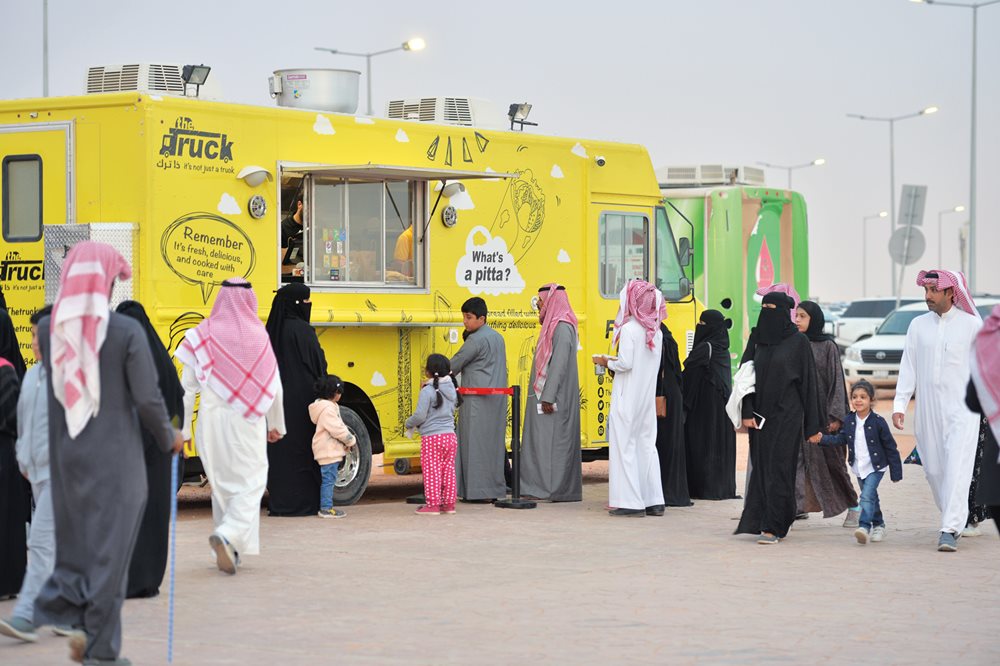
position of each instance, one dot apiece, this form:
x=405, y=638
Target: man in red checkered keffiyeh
x=79, y=326
x=940, y=280
x=231, y=352
x=228, y=360
x=641, y=301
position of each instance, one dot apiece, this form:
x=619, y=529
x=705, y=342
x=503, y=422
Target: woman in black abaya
x=149, y=559
x=293, y=477
x=784, y=409
x=708, y=433
x=670, y=428
x=15, y=493
x=822, y=482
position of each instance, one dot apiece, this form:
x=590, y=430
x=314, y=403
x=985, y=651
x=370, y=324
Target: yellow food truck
x=403, y=219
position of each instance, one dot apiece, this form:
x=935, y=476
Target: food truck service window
x=622, y=251
x=362, y=232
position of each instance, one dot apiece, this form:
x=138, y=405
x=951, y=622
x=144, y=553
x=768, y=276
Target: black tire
x=401, y=466
x=356, y=468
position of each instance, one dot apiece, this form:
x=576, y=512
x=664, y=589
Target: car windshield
x=898, y=322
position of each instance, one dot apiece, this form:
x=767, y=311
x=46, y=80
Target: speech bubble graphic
x=487, y=266
x=204, y=249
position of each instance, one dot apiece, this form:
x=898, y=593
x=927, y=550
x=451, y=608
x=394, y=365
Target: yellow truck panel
x=403, y=221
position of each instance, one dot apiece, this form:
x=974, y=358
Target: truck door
x=35, y=190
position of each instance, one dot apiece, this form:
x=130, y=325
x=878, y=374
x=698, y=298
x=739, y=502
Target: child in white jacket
x=331, y=440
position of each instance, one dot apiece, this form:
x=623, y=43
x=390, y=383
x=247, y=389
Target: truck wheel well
x=355, y=398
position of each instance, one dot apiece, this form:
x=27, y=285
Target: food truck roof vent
x=467, y=111
x=708, y=174
x=143, y=77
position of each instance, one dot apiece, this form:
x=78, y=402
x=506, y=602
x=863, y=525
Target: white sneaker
x=972, y=530
x=225, y=555
x=861, y=534
x=878, y=533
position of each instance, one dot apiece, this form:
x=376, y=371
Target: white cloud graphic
x=556, y=171
x=323, y=125
x=401, y=137
x=487, y=267
x=563, y=257
x=378, y=379
x=228, y=205
x=578, y=149
x=363, y=120
x=462, y=201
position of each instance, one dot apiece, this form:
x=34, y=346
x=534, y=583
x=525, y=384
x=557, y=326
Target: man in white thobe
x=634, y=487
x=935, y=364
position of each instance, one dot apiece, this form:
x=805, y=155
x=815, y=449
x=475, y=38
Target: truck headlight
x=853, y=354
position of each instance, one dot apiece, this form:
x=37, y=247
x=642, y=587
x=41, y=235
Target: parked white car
x=877, y=358
x=862, y=317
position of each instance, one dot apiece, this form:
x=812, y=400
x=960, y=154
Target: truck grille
x=881, y=356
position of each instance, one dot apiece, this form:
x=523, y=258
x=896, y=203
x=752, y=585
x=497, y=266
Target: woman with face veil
x=149, y=559
x=783, y=410
x=293, y=476
x=708, y=434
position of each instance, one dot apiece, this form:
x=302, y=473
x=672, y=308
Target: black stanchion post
x=515, y=502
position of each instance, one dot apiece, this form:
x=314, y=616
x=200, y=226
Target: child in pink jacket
x=331, y=441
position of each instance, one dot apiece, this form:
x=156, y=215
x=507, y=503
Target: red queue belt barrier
x=515, y=501
x=467, y=390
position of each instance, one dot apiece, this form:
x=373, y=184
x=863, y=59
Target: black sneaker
x=631, y=513
x=656, y=510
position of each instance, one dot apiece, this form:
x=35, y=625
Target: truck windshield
x=898, y=322
x=669, y=273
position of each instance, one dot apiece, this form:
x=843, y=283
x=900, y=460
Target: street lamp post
x=415, y=44
x=45, y=48
x=819, y=161
x=892, y=166
x=864, y=249
x=972, y=147
x=956, y=209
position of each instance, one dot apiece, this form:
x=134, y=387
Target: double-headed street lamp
x=415, y=44
x=864, y=249
x=892, y=165
x=819, y=161
x=956, y=209
x=972, y=148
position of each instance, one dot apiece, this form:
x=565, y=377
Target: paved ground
x=567, y=584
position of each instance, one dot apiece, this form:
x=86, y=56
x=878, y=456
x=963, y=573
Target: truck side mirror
x=685, y=287
x=684, y=251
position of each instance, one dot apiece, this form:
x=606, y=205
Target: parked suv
x=877, y=358
x=862, y=317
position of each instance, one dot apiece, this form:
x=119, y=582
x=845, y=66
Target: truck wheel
x=356, y=467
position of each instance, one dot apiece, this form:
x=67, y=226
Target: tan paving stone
x=567, y=584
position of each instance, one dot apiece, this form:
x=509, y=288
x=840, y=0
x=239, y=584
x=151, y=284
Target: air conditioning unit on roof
x=691, y=176
x=466, y=111
x=144, y=77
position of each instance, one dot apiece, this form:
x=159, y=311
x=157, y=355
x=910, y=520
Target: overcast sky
x=697, y=82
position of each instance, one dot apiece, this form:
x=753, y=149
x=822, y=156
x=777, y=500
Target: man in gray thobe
x=551, y=465
x=482, y=420
x=98, y=474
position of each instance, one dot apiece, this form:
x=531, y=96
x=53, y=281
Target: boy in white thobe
x=935, y=364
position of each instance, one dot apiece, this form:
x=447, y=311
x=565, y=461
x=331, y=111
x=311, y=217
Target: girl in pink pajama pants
x=434, y=417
